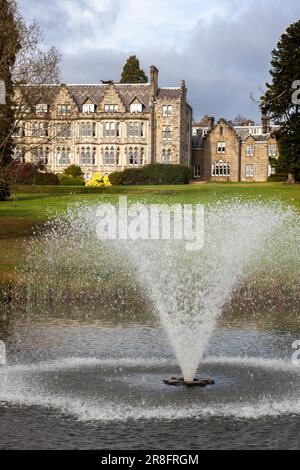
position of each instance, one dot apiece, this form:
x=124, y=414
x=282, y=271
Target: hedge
x=156, y=173
x=278, y=177
x=68, y=180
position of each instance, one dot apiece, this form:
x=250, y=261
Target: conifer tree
x=281, y=100
x=132, y=73
x=9, y=47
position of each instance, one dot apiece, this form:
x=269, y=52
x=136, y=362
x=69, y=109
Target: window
x=221, y=130
x=64, y=131
x=167, y=133
x=41, y=108
x=94, y=156
x=41, y=155
x=221, y=169
x=221, y=147
x=19, y=154
x=249, y=171
x=136, y=108
x=167, y=110
x=87, y=129
x=135, y=156
x=271, y=170
x=250, y=150
x=109, y=156
x=20, y=130
x=166, y=156
x=63, y=109
x=63, y=156
x=85, y=156
x=88, y=108
x=111, y=108
x=111, y=129
x=272, y=150
x=197, y=171
x=40, y=129
x=135, y=129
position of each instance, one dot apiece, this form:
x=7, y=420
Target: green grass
x=37, y=207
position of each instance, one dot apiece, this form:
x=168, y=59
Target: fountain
x=99, y=355
x=2, y=354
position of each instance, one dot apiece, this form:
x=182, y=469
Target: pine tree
x=132, y=73
x=279, y=99
x=9, y=47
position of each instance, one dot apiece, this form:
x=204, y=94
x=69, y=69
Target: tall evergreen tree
x=132, y=73
x=9, y=47
x=279, y=99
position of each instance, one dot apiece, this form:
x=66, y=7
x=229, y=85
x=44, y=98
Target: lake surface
x=99, y=385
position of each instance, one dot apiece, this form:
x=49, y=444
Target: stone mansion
x=105, y=127
x=110, y=126
x=223, y=152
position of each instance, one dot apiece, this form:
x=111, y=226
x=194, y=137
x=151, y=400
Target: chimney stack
x=265, y=121
x=154, y=78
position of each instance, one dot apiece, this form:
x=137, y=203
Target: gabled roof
x=89, y=98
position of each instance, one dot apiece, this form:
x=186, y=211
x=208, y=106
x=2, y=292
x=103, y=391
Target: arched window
x=63, y=156
x=130, y=156
x=136, y=156
x=85, y=156
x=112, y=156
x=118, y=156
x=94, y=155
x=106, y=156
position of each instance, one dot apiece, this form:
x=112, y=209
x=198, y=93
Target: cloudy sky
x=222, y=48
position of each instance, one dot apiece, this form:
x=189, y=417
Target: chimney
x=183, y=88
x=154, y=78
x=265, y=121
x=211, y=121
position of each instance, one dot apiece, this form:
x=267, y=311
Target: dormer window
x=111, y=108
x=41, y=108
x=136, y=108
x=88, y=108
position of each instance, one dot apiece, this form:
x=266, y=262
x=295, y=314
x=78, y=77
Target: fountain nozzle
x=177, y=381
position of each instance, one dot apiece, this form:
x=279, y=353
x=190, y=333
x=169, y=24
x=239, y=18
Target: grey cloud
x=224, y=60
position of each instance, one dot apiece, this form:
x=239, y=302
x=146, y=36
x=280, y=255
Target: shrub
x=28, y=173
x=98, y=180
x=46, y=178
x=73, y=170
x=156, y=173
x=68, y=180
x=116, y=178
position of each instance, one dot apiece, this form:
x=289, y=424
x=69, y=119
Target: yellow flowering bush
x=98, y=180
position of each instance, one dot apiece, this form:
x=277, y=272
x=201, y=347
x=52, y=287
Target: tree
x=28, y=72
x=281, y=100
x=240, y=120
x=132, y=73
x=9, y=48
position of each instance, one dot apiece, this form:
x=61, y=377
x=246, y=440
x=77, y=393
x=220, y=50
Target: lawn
x=30, y=208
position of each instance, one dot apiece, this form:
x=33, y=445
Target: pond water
x=70, y=384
